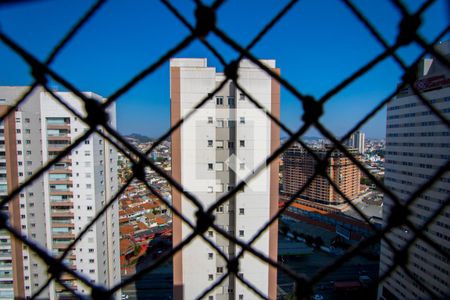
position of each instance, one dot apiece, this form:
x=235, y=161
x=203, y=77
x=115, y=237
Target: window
x=242, y=120
x=231, y=123
x=219, y=209
x=242, y=143
x=210, y=255
x=28, y=142
x=230, y=188
x=219, y=123
x=210, y=167
x=242, y=166
x=219, y=144
x=87, y=142
x=27, y=130
x=241, y=96
x=88, y=186
x=241, y=297
x=210, y=297
x=242, y=211
x=210, y=120
x=230, y=145
x=241, y=233
x=210, y=233
x=219, y=166
x=219, y=188
x=87, y=153
x=17, y=130
x=210, y=277
x=230, y=101
x=219, y=100
x=210, y=143
x=89, y=208
x=219, y=269
x=90, y=250
x=27, y=120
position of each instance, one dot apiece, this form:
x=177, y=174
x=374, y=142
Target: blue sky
x=316, y=45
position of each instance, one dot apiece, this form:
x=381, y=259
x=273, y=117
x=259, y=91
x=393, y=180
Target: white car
x=318, y=297
x=124, y=297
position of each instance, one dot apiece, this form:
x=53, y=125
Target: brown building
x=299, y=166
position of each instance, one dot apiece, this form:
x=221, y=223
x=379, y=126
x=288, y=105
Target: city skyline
x=219, y=203
x=313, y=69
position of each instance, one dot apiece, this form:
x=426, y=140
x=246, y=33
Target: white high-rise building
x=219, y=146
x=417, y=144
x=58, y=205
x=357, y=140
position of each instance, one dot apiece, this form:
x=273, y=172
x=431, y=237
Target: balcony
x=63, y=235
x=59, y=126
x=59, y=138
x=60, y=245
x=62, y=181
x=62, y=224
x=63, y=203
x=54, y=148
x=62, y=214
x=61, y=193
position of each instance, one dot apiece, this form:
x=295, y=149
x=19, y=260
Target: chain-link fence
x=96, y=119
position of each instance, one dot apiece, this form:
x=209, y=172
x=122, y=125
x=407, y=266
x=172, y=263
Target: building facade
x=213, y=151
x=299, y=166
x=357, y=140
x=58, y=205
x=417, y=144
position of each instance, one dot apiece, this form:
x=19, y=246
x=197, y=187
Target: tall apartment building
x=417, y=144
x=219, y=146
x=299, y=166
x=357, y=140
x=58, y=205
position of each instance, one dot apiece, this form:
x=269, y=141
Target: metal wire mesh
x=96, y=119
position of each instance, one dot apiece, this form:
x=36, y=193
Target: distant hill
x=139, y=137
